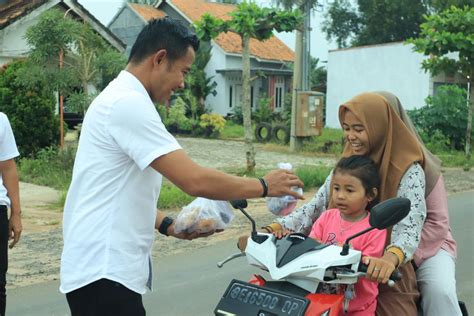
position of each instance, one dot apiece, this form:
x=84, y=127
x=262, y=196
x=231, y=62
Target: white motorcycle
x=298, y=265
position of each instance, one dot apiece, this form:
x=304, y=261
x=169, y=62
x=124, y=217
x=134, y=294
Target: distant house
x=392, y=67
x=16, y=16
x=129, y=21
x=270, y=58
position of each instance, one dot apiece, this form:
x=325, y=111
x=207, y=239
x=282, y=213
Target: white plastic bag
x=204, y=215
x=283, y=205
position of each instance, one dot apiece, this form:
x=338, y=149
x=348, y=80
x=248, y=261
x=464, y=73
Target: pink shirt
x=330, y=228
x=436, y=233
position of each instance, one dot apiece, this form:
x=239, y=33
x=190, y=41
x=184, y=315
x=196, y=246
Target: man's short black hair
x=164, y=33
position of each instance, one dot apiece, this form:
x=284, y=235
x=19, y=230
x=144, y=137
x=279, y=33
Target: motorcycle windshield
x=294, y=245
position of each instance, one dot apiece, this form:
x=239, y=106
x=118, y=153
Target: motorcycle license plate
x=242, y=298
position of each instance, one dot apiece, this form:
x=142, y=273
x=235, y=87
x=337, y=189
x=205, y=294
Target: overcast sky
x=104, y=10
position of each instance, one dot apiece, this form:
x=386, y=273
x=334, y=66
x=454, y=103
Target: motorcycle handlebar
x=395, y=276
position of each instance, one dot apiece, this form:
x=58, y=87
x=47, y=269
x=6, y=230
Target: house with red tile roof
x=270, y=58
x=16, y=16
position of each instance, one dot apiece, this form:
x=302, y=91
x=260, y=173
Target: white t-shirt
x=8, y=150
x=110, y=209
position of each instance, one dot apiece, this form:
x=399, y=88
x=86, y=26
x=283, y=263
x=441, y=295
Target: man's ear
x=159, y=57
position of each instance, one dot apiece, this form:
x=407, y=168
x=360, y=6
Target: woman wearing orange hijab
x=374, y=128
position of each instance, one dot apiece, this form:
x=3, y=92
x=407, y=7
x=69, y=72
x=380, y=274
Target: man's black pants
x=3, y=257
x=105, y=297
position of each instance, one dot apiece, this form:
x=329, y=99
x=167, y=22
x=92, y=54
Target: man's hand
x=14, y=229
x=280, y=183
x=190, y=236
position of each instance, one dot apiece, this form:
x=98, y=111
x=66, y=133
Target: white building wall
x=391, y=67
x=12, y=42
x=218, y=103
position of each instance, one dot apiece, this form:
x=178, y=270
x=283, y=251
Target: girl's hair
x=364, y=169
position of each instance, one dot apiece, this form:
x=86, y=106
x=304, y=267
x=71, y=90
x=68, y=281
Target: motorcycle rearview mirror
x=240, y=205
x=383, y=215
x=389, y=212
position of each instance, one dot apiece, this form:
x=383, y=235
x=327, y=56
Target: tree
x=373, y=21
x=317, y=75
x=60, y=40
x=248, y=21
x=441, y=5
x=341, y=22
x=451, y=31
x=198, y=85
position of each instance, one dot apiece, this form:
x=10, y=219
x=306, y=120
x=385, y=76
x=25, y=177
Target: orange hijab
x=391, y=144
x=432, y=166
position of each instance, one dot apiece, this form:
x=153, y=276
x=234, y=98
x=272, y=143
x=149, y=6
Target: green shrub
x=30, y=111
x=78, y=102
x=212, y=123
x=177, y=120
x=263, y=113
x=445, y=112
x=162, y=111
x=237, y=115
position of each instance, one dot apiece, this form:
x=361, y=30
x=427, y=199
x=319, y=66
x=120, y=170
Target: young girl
x=355, y=186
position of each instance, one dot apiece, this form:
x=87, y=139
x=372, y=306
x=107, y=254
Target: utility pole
x=300, y=71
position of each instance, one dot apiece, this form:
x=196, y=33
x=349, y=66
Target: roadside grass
x=172, y=197
x=232, y=130
x=51, y=167
x=452, y=159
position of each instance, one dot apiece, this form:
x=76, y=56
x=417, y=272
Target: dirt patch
x=36, y=258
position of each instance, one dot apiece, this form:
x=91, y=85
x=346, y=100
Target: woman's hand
x=281, y=233
x=380, y=269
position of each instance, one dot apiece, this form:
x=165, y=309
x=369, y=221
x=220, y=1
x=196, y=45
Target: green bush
x=212, y=124
x=263, y=113
x=78, y=102
x=30, y=111
x=445, y=113
x=162, y=111
x=237, y=115
x=177, y=120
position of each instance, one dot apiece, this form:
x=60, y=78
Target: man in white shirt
x=124, y=150
x=9, y=198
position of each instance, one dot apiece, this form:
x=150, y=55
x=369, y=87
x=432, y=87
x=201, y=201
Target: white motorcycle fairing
x=308, y=269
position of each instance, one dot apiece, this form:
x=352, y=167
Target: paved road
x=191, y=284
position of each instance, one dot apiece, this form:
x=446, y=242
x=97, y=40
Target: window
x=230, y=96
x=251, y=97
x=278, y=97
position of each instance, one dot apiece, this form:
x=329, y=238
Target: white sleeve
x=407, y=233
x=8, y=149
x=301, y=220
x=138, y=130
